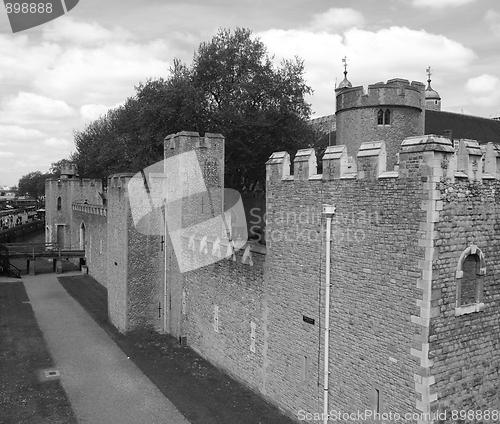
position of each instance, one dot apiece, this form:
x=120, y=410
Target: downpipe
x=328, y=211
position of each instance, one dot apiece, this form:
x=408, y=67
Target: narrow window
x=468, y=282
x=59, y=203
x=304, y=375
x=380, y=117
x=377, y=401
x=387, y=117
x=253, y=327
x=471, y=269
x=216, y=318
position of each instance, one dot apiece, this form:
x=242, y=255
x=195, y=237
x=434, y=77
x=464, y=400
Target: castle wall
x=117, y=235
x=70, y=190
x=374, y=273
x=465, y=348
x=236, y=290
x=94, y=220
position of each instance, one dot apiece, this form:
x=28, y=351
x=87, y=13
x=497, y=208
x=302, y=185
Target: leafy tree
x=232, y=87
x=258, y=107
x=33, y=184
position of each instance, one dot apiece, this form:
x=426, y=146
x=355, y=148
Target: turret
x=388, y=111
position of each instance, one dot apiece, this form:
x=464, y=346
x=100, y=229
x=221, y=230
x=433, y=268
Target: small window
x=387, y=117
x=380, y=117
x=469, y=277
x=59, y=203
x=304, y=374
x=384, y=117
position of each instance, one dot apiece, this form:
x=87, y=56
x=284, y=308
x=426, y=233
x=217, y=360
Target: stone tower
x=388, y=111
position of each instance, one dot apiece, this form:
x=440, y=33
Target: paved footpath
x=102, y=385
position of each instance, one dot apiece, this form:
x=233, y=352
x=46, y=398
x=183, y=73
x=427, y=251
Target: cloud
x=484, y=90
x=492, y=18
x=33, y=106
x=85, y=33
x=6, y=154
x=336, y=19
x=57, y=142
x=370, y=54
x=95, y=75
x=22, y=61
x=92, y=112
x=14, y=133
x=440, y=4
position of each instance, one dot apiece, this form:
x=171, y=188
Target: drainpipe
x=165, y=312
x=328, y=212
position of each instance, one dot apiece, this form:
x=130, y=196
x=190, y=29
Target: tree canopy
x=232, y=87
x=33, y=184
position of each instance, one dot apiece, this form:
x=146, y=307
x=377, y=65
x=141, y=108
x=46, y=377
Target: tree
x=232, y=87
x=33, y=184
x=258, y=107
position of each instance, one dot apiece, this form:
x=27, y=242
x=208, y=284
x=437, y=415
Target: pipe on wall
x=328, y=211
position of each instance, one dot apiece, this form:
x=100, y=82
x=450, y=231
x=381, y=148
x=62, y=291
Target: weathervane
x=428, y=70
x=344, y=61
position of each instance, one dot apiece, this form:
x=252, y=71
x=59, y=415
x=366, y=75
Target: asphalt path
x=102, y=384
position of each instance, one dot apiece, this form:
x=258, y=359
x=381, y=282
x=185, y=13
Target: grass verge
x=200, y=391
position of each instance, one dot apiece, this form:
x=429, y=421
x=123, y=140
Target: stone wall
x=374, y=272
x=69, y=190
x=234, y=290
x=89, y=222
x=464, y=346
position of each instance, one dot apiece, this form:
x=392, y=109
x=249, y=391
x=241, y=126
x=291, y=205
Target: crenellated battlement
x=428, y=155
x=89, y=208
x=191, y=140
x=69, y=170
x=396, y=92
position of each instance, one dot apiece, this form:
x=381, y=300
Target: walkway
x=102, y=385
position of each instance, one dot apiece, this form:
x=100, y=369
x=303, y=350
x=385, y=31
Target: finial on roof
x=428, y=70
x=345, y=82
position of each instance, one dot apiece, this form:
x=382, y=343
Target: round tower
x=432, y=97
x=388, y=111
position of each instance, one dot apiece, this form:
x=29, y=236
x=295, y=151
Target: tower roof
x=345, y=83
x=430, y=93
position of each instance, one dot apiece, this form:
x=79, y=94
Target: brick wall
x=374, y=273
x=95, y=241
x=236, y=289
x=465, y=348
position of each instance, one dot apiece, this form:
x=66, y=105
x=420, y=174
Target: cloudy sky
x=59, y=76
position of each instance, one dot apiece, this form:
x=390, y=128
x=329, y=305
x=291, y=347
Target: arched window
x=469, y=276
x=387, y=117
x=59, y=203
x=380, y=117
x=384, y=117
